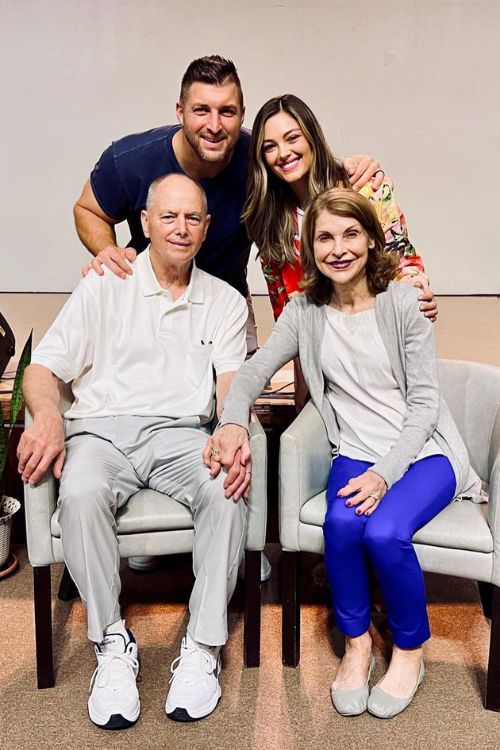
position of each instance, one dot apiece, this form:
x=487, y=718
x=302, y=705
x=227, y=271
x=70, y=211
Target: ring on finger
x=214, y=452
x=374, y=175
x=375, y=497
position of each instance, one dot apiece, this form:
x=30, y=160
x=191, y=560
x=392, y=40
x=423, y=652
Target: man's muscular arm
x=96, y=230
x=42, y=443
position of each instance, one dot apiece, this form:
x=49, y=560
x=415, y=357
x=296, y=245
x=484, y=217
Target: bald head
x=180, y=183
x=175, y=221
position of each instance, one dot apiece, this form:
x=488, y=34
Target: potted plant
x=10, y=505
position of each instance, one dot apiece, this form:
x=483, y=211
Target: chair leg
x=67, y=587
x=290, y=603
x=43, y=627
x=486, y=596
x=252, y=608
x=492, y=701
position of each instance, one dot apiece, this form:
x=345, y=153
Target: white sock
x=115, y=638
x=212, y=650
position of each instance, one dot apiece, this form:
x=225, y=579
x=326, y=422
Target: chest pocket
x=198, y=362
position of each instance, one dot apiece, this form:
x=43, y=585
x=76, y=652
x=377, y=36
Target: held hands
x=364, y=491
x=229, y=449
x=41, y=444
x=361, y=169
x=115, y=258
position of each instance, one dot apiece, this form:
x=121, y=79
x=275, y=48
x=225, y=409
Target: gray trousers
x=108, y=460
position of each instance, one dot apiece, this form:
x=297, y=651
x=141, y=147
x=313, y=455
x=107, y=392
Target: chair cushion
x=147, y=510
x=314, y=511
x=461, y=525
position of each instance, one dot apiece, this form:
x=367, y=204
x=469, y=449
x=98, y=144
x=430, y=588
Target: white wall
x=414, y=82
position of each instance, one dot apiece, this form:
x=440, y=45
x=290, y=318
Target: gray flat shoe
x=352, y=702
x=385, y=706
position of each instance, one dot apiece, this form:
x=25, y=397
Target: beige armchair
x=463, y=540
x=150, y=524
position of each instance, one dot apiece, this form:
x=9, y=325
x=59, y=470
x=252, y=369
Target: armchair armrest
x=305, y=460
x=39, y=505
x=257, y=501
x=494, y=498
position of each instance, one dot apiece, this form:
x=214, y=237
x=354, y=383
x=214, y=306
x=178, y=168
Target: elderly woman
x=369, y=361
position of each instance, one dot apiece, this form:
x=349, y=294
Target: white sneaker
x=194, y=686
x=114, y=698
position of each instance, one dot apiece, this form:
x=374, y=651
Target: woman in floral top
x=290, y=162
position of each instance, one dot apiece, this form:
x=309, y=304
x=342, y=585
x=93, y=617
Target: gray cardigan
x=409, y=340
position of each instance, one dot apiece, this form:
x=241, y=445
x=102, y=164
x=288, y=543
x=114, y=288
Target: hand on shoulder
x=418, y=283
x=117, y=259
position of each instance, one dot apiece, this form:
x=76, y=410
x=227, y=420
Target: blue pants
x=384, y=538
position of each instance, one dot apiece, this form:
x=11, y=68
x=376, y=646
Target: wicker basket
x=9, y=506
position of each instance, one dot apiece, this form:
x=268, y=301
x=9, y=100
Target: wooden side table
x=276, y=411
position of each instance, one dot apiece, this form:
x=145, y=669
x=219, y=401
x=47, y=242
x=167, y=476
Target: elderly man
x=141, y=356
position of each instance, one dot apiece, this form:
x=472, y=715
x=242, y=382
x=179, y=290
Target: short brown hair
x=381, y=266
x=212, y=69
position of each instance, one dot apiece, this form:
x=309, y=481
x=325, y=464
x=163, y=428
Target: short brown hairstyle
x=381, y=266
x=212, y=69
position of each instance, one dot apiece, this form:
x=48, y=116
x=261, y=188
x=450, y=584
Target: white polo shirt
x=130, y=349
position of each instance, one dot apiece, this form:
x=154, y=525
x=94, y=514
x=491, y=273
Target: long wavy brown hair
x=269, y=209
x=381, y=267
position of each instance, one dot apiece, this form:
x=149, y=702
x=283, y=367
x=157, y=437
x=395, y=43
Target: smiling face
x=286, y=150
x=176, y=222
x=211, y=118
x=341, y=249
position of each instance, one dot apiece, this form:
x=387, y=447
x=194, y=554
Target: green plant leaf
x=17, y=390
x=4, y=446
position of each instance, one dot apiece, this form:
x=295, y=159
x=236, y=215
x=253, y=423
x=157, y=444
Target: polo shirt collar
x=150, y=285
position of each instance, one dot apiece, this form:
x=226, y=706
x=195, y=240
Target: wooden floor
x=467, y=327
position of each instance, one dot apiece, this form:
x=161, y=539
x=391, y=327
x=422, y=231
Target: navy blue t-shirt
x=121, y=179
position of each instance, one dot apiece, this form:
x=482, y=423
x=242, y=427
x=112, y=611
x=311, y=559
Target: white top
x=130, y=349
x=362, y=389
